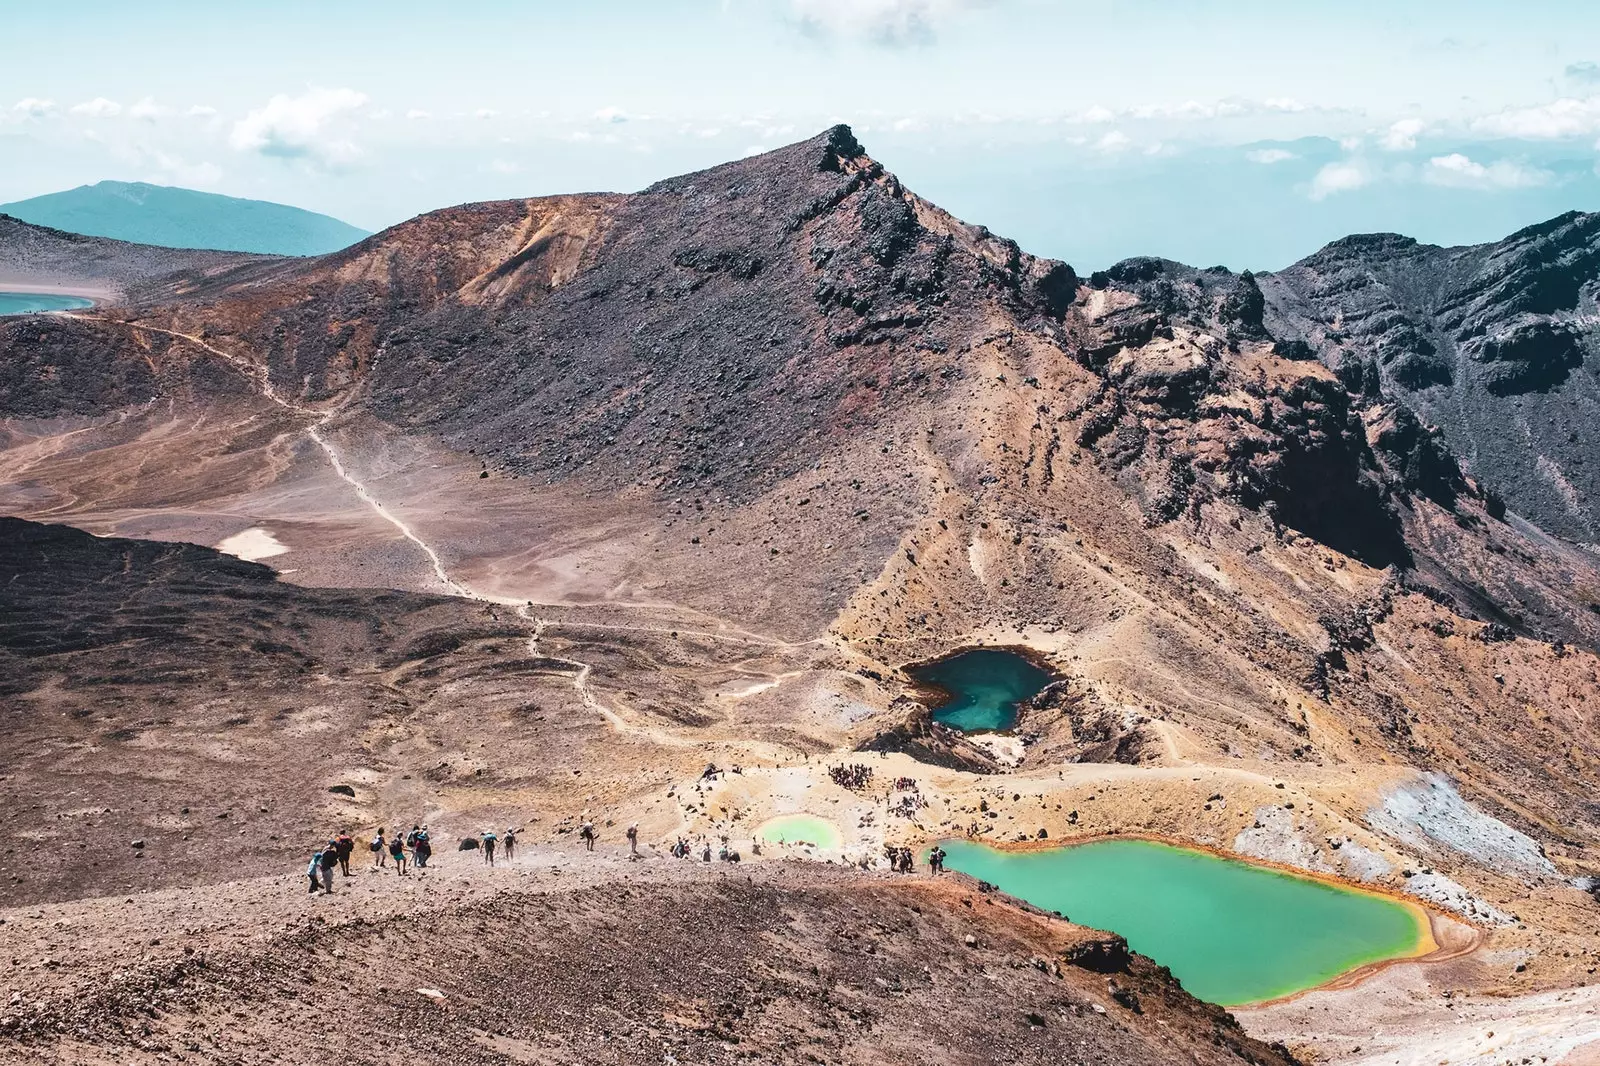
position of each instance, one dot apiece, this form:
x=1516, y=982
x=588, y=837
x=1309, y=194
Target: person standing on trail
x=397, y=852
x=380, y=849
x=347, y=846
x=510, y=842
x=586, y=834
x=330, y=859
x=633, y=841
x=488, y=846
x=422, y=850
x=314, y=870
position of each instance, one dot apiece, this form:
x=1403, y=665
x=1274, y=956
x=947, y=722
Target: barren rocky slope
x=39, y=255
x=1498, y=345
x=715, y=461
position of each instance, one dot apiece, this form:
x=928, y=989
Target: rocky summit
x=605, y=511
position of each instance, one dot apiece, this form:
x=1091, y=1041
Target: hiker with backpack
x=509, y=842
x=380, y=849
x=328, y=860
x=422, y=850
x=346, y=847
x=314, y=870
x=586, y=834
x=633, y=841
x=397, y=852
x=489, y=840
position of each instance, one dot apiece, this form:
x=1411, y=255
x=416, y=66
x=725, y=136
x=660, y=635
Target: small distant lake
x=983, y=687
x=28, y=303
x=801, y=829
x=1232, y=932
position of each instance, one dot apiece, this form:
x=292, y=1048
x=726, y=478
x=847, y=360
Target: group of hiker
x=489, y=839
x=681, y=849
x=414, y=848
x=854, y=776
x=903, y=860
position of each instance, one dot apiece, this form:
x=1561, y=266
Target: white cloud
x=148, y=110
x=1269, y=156
x=99, y=107
x=1567, y=117
x=1340, y=177
x=417, y=114
x=504, y=166
x=886, y=22
x=203, y=111
x=34, y=107
x=709, y=132
x=754, y=149
x=1458, y=171
x=611, y=114
x=300, y=127
x=485, y=112
x=909, y=125
x=202, y=174
x=1402, y=136
x=1283, y=103
x=1114, y=141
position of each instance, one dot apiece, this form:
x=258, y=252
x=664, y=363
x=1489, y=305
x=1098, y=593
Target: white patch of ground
x=1397, y=1019
x=1437, y=888
x=1430, y=812
x=253, y=545
x=1277, y=837
x=1008, y=751
x=1529, y=1029
x=1361, y=863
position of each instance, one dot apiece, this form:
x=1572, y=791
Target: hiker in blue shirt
x=488, y=846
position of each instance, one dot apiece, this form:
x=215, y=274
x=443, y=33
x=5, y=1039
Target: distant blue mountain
x=183, y=218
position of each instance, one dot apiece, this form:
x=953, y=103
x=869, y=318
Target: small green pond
x=800, y=829
x=26, y=303
x=1233, y=933
x=983, y=687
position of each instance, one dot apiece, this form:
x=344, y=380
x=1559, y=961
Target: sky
x=1237, y=132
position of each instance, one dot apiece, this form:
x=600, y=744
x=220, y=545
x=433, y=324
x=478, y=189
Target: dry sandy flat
x=253, y=544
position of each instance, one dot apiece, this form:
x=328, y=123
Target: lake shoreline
x=936, y=697
x=1440, y=937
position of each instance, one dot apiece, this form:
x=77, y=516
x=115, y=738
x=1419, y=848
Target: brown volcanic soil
x=736, y=449
x=600, y=960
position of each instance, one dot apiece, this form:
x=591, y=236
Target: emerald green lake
x=1233, y=933
x=800, y=829
x=25, y=303
x=983, y=687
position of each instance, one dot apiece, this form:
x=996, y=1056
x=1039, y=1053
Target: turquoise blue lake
x=24, y=303
x=983, y=687
x=1232, y=932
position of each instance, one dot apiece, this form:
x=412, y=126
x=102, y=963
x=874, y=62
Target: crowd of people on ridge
x=855, y=776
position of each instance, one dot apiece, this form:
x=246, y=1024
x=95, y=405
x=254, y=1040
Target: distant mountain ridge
x=171, y=217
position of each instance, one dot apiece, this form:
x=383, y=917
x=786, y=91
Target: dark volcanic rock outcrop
x=1497, y=345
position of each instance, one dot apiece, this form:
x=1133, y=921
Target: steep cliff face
x=1497, y=345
